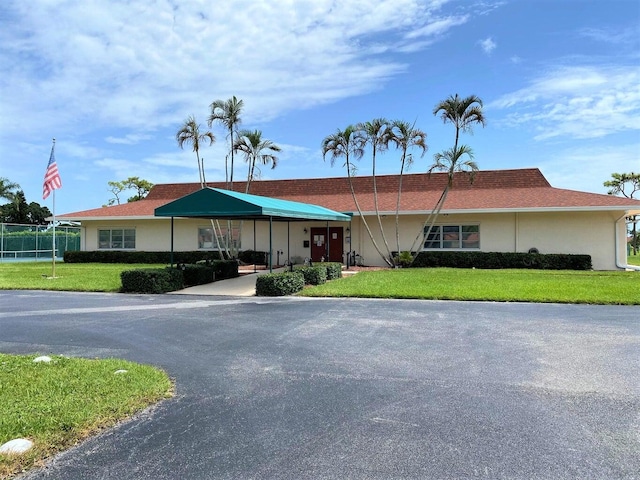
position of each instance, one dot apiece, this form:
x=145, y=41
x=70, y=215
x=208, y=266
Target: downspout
x=625, y=266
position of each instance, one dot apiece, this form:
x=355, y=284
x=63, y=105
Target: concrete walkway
x=242, y=286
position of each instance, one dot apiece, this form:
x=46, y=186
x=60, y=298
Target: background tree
x=7, y=188
x=37, y=214
x=227, y=113
x=627, y=185
x=19, y=211
x=139, y=185
x=189, y=133
x=255, y=150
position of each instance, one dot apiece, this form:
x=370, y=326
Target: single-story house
x=501, y=211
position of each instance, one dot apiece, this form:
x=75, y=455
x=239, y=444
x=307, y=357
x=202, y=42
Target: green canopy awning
x=218, y=203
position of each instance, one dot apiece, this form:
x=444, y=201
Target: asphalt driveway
x=351, y=389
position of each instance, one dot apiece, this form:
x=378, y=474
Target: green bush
x=151, y=280
x=197, y=274
x=279, y=284
x=253, y=257
x=495, y=260
x=316, y=275
x=334, y=270
x=121, y=256
x=225, y=269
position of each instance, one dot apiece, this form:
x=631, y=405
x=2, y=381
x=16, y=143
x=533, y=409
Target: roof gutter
x=624, y=266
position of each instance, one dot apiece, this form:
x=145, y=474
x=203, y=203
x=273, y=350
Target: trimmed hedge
x=151, y=280
x=120, y=256
x=334, y=270
x=316, y=275
x=495, y=260
x=279, y=284
x=208, y=272
x=253, y=257
x=197, y=274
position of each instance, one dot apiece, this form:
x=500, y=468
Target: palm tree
x=255, y=149
x=7, y=189
x=227, y=113
x=376, y=133
x=349, y=143
x=190, y=133
x=462, y=112
x=450, y=161
x=405, y=136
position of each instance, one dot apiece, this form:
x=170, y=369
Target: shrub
x=316, y=275
x=151, y=280
x=197, y=274
x=225, y=269
x=279, y=284
x=404, y=259
x=122, y=256
x=253, y=257
x=334, y=270
x=493, y=260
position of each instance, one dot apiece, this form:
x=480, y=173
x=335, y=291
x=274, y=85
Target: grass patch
x=78, y=277
x=57, y=404
x=490, y=285
x=633, y=259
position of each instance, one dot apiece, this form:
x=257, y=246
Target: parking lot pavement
x=293, y=388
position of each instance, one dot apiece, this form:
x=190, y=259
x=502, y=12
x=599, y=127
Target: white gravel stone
x=16, y=446
x=43, y=358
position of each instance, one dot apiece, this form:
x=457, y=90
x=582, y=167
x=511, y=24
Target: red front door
x=326, y=246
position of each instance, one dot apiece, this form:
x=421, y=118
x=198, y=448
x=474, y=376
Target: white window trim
x=110, y=230
x=458, y=249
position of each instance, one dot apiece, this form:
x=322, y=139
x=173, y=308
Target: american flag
x=51, y=177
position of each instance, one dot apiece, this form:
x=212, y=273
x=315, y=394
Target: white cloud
x=588, y=167
x=488, y=45
x=576, y=102
x=129, y=139
x=146, y=65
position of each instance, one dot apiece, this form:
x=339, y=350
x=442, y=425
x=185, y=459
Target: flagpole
x=51, y=183
x=53, y=243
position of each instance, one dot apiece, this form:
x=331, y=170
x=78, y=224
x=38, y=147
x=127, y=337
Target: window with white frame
x=207, y=239
x=117, y=238
x=452, y=237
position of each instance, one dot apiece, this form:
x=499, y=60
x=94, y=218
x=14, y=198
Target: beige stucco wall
x=589, y=233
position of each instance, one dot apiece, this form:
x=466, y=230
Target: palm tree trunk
x=431, y=219
x=364, y=221
x=375, y=203
x=398, y=202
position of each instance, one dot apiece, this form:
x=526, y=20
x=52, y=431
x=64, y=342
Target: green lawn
x=492, y=285
x=633, y=259
x=57, y=404
x=80, y=277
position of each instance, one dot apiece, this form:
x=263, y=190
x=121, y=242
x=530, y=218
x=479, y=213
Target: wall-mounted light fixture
x=348, y=229
x=305, y=230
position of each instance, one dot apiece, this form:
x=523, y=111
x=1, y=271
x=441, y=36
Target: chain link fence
x=35, y=242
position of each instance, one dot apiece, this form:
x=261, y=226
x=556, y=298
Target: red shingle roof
x=522, y=189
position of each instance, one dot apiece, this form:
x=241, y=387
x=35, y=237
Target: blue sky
x=114, y=81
